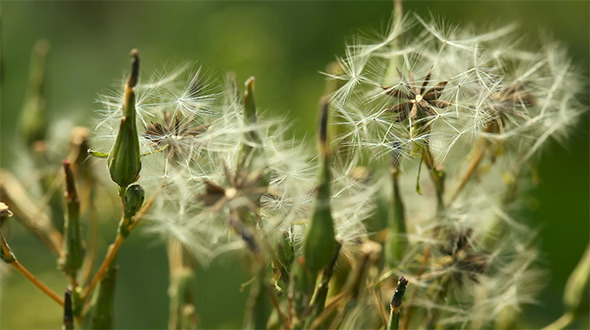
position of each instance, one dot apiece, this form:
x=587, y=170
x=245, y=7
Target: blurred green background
x=285, y=45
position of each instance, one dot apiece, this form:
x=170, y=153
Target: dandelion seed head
x=489, y=78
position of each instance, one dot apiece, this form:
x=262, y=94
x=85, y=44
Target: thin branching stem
x=114, y=248
x=471, y=168
x=111, y=254
x=436, y=175
x=28, y=213
x=407, y=315
x=562, y=322
x=397, y=9
x=393, y=323
x=29, y=276
x=275, y=302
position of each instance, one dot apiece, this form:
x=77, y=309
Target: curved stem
x=8, y=257
x=29, y=214
x=36, y=282
x=114, y=248
x=437, y=177
x=111, y=254
x=397, y=9
x=473, y=165
x=561, y=322
x=407, y=315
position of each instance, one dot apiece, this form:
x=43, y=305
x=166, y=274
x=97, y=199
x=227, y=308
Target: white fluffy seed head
x=490, y=78
x=483, y=104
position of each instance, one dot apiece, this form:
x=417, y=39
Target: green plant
x=469, y=109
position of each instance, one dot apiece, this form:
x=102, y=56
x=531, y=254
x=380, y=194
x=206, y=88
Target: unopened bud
x=286, y=250
x=124, y=159
x=33, y=116
x=133, y=200
x=400, y=290
x=249, y=103
x=73, y=247
x=68, y=319
x=320, y=242
x=253, y=157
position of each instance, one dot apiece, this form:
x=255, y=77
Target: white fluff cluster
x=191, y=133
x=428, y=83
x=480, y=105
x=469, y=109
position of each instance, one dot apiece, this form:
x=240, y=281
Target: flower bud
x=68, y=316
x=286, y=255
x=133, y=200
x=249, y=103
x=320, y=242
x=73, y=249
x=396, y=303
x=400, y=289
x=124, y=159
x=33, y=117
x=253, y=157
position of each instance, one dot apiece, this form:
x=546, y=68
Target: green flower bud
x=320, y=242
x=73, y=248
x=33, y=117
x=124, y=159
x=252, y=156
x=249, y=103
x=286, y=255
x=133, y=200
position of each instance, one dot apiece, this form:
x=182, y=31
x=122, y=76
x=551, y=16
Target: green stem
x=393, y=323
x=562, y=322
x=100, y=314
x=9, y=257
x=396, y=240
x=437, y=176
x=396, y=303
x=471, y=168
x=318, y=300
x=259, y=304
x=181, y=289
x=397, y=9
x=114, y=248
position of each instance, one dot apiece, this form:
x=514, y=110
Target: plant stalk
x=562, y=322
x=471, y=168
x=28, y=275
x=26, y=211
x=114, y=248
